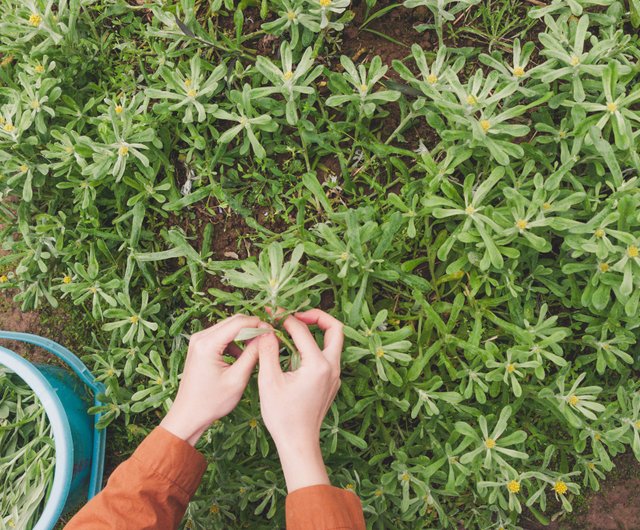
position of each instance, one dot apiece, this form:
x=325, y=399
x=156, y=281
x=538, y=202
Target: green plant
x=28, y=453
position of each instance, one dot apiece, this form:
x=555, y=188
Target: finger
x=333, y=332
x=234, y=350
x=218, y=339
x=302, y=337
x=269, y=354
x=217, y=325
x=246, y=362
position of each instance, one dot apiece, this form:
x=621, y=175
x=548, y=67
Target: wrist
x=179, y=426
x=302, y=464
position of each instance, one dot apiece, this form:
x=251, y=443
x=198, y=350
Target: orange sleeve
x=324, y=508
x=150, y=490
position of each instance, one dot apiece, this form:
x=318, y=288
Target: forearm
x=302, y=465
x=150, y=490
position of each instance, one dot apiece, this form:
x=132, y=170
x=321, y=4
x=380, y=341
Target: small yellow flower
x=39, y=69
x=518, y=71
x=458, y=274
x=573, y=400
x=432, y=79
x=562, y=134
x=560, y=487
x=378, y=493
x=159, y=381
x=597, y=436
x=118, y=109
x=489, y=443
x=344, y=256
x=192, y=93
x=93, y=290
x=350, y=487
x=123, y=150
x=599, y=233
x=215, y=509
x=68, y=149
x=287, y=75
x=8, y=127
x=604, y=267
x=546, y=206
x=612, y=107
x=636, y=424
x=591, y=466
x=24, y=168
x=605, y=346
x=325, y=3
x=575, y=60
x=242, y=491
x=406, y=477
x=522, y=224
x=470, y=210
x=253, y=423
x=1, y=120
x=273, y=282
x=134, y=319
x=187, y=82
x=632, y=251
x=4, y=278
x=35, y=20
x=511, y=367
x=471, y=100
x=379, y=353
x=35, y=104
x=67, y=279
x=513, y=486
x=485, y=124
x=291, y=15
x=363, y=87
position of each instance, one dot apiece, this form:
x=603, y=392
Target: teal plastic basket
x=66, y=396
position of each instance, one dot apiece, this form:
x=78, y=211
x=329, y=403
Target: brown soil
x=615, y=507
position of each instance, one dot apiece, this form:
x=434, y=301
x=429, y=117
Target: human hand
x=210, y=388
x=294, y=404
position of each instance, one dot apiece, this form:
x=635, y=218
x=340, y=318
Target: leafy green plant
x=28, y=453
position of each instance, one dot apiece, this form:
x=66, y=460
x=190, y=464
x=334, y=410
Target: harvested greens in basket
x=27, y=454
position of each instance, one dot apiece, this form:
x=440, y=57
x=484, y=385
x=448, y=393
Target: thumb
x=247, y=361
x=269, y=353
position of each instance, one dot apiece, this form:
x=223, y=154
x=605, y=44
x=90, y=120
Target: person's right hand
x=294, y=404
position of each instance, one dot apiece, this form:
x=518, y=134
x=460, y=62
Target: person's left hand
x=211, y=388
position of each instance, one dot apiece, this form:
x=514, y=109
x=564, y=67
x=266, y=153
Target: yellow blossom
x=192, y=93
x=134, y=319
x=350, y=487
x=35, y=20
x=35, y=104
x=591, y=466
x=518, y=71
x=363, y=87
x=599, y=233
x=513, y=486
x=597, y=436
x=68, y=149
x=489, y=443
x=123, y=150
x=379, y=352
x=253, y=423
x=511, y=368
x=546, y=206
x=24, y=168
x=287, y=75
x=560, y=487
x=118, y=109
x=636, y=424
x=432, y=79
x=325, y=3
x=291, y=15
x=8, y=127
x=612, y=107
x=406, y=477
x=470, y=210
x=573, y=400
x=575, y=60
x=632, y=251
x=344, y=256
x=39, y=69
x=471, y=100
x=485, y=124
x=4, y=278
x=214, y=509
x=378, y=493
x=604, y=267
x=562, y=134
x=522, y=224
x=67, y=279
x=187, y=82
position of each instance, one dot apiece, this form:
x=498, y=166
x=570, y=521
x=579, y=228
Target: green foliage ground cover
x=488, y=270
